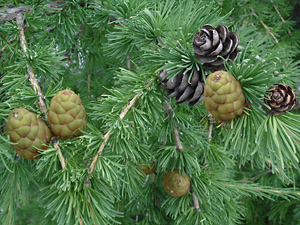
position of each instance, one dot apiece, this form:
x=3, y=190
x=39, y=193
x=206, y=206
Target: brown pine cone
x=210, y=42
x=184, y=87
x=281, y=99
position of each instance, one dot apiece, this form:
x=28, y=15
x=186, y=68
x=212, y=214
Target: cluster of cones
x=29, y=134
x=220, y=91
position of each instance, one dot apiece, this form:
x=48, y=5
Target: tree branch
x=265, y=26
x=61, y=157
x=210, y=128
x=32, y=77
x=178, y=142
x=290, y=33
x=196, y=202
x=11, y=12
x=35, y=83
x=107, y=135
x=179, y=147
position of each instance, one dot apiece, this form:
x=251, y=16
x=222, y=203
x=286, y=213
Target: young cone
x=175, y=184
x=29, y=132
x=224, y=97
x=66, y=116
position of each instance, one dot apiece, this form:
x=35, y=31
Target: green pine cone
x=28, y=131
x=175, y=184
x=224, y=97
x=66, y=115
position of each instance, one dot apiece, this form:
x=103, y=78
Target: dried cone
x=224, y=97
x=175, y=184
x=281, y=99
x=186, y=88
x=210, y=42
x=66, y=116
x=28, y=131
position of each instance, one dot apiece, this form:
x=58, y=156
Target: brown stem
x=265, y=26
x=11, y=12
x=196, y=202
x=153, y=179
x=107, y=135
x=61, y=157
x=32, y=77
x=35, y=83
x=89, y=85
x=290, y=33
x=210, y=128
x=80, y=220
x=178, y=143
x=128, y=62
x=177, y=139
x=9, y=210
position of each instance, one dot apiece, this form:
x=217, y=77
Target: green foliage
x=110, y=53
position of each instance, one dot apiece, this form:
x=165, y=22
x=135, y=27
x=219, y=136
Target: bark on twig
x=178, y=143
x=265, y=26
x=10, y=12
x=210, y=128
x=107, y=135
x=179, y=147
x=89, y=85
x=35, y=83
x=276, y=9
x=32, y=77
x=61, y=157
x=196, y=202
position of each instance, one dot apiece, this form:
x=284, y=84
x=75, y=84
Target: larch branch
x=107, y=135
x=32, y=77
x=210, y=128
x=178, y=142
x=35, y=83
x=276, y=9
x=196, y=202
x=179, y=147
x=61, y=157
x=265, y=26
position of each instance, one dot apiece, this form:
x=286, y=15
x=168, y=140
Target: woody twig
x=34, y=81
x=31, y=75
x=179, y=147
x=265, y=26
x=107, y=135
x=178, y=142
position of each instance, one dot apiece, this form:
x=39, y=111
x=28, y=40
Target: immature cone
x=28, y=131
x=176, y=184
x=281, y=99
x=224, y=97
x=210, y=42
x=186, y=88
x=147, y=170
x=66, y=115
